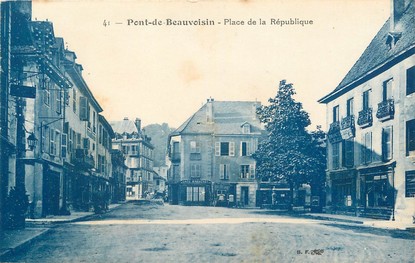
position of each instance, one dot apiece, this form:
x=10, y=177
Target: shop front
x=377, y=192
x=224, y=194
x=195, y=192
x=343, y=192
x=273, y=195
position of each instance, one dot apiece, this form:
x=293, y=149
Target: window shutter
x=222, y=171
x=64, y=144
x=83, y=109
x=232, y=149
x=52, y=142
x=252, y=171
x=217, y=148
x=387, y=143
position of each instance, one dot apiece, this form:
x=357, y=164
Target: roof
x=124, y=126
x=228, y=116
x=106, y=124
x=378, y=56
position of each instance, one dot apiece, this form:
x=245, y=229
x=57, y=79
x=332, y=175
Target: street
x=164, y=233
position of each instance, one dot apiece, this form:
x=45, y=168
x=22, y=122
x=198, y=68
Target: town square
x=211, y=131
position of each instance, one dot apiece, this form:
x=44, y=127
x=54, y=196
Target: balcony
x=82, y=159
x=334, y=134
x=365, y=118
x=386, y=110
x=347, y=128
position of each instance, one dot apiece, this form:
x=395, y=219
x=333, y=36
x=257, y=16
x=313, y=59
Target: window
x=195, y=194
x=244, y=149
x=74, y=99
x=410, y=184
x=225, y=149
x=366, y=99
x=64, y=145
x=224, y=171
x=387, y=143
x=366, y=150
x=247, y=171
x=195, y=170
x=58, y=101
x=46, y=94
x=348, y=152
x=410, y=81
x=335, y=147
x=336, y=116
x=349, y=105
x=52, y=145
x=246, y=128
x=387, y=89
x=410, y=137
x=78, y=140
x=134, y=149
x=83, y=109
x=94, y=117
x=66, y=97
x=194, y=147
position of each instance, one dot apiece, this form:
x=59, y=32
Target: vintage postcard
x=207, y=130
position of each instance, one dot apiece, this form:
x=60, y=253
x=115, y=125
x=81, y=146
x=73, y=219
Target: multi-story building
x=15, y=39
x=106, y=182
x=371, y=115
x=118, y=174
x=210, y=155
x=45, y=118
x=138, y=150
x=89, y=139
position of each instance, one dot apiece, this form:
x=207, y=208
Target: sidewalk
x=12, y=241
x=378, y=223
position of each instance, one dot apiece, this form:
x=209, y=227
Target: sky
x=165, y=73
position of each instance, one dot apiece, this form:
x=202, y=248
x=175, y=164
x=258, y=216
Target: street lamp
x=32, y=141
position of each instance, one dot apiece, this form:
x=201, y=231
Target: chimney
x=398, y=7
x=255, y=106
x=209, y=110
x=137, y=123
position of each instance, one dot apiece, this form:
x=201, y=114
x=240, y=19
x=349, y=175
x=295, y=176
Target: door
x=51, y=190
x=244, y=195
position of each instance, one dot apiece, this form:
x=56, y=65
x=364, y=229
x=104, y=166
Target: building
x=138, y=151
x=160, y=179
x=45, y=118
x=106, y=181
x=118, y=174
x=371, y=115
x=15, y=36
x=209, y=155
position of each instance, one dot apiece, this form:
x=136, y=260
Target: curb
x=342, y=220
x=24, y=244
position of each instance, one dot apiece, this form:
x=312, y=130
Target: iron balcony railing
x=386, y=110
x=347, y=127
x=334, y=132
x=365, y=118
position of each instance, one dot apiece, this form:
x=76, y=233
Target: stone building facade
x=210, y=156
x=371, y=115
x=131, y=140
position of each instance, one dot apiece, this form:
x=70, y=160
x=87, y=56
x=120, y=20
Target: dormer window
x=392, y=38
x=246, y=128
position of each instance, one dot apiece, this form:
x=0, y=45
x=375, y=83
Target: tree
x=289, y=153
